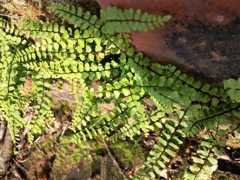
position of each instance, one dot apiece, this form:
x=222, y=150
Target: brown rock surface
x=202, y=37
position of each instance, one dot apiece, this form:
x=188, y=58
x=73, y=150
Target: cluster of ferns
x=86, y=50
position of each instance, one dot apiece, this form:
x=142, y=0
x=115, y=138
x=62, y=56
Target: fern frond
x=164, y=150
x=204, y=160
x=117, y=20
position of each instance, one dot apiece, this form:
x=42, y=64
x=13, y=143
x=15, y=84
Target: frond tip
x=117, y=20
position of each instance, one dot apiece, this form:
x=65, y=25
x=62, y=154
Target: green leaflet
x=233, y=89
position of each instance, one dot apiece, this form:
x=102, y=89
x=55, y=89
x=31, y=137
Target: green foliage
x=204, y=159
x=119, y=94
x=233, y=89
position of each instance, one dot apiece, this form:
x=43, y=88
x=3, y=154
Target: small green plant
x=95, y=57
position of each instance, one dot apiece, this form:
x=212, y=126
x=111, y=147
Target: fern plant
x=112, y=85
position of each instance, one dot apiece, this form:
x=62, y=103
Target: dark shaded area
x=224, y=165
x=213, y=52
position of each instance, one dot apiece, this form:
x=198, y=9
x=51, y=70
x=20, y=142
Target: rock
x=203, y=36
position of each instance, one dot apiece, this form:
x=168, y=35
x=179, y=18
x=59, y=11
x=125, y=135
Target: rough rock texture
x=203, y=36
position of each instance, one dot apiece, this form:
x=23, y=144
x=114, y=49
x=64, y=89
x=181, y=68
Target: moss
x=128, y=155
x=63, y=107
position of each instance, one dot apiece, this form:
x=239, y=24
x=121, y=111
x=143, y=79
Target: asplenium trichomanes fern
x=96, y=51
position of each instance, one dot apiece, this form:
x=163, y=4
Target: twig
x=9, y=16
x=21, y=167
x=28, y=121
x=113, y=159
x=63, y=131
